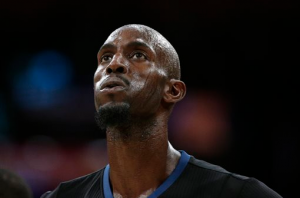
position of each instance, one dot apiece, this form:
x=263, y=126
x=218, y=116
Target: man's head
x=167, y=57
x=13, y=186
x=137, y=76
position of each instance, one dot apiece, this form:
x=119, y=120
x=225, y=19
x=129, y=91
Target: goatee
x=112, y=115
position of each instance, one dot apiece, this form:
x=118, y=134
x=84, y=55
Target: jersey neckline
x=183, y=161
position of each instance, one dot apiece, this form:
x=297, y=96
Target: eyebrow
x=131, y=44
x=139, y=44
x=107, y=46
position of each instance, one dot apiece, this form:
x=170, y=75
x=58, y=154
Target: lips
x=112, y=84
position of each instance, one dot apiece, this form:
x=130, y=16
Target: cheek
x=96, y=83
x=98, y=74
x=147, y=81
x=96, y=99
x=148, y=93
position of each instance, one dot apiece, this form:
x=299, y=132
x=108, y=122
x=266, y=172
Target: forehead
x=127, y=35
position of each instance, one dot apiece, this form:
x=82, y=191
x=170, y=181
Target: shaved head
x=138, y=67
x=167, y=57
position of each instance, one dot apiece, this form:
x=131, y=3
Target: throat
x=138, y=170
x=136, y=130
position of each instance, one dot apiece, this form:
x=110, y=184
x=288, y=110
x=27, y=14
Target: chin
x=112, y=114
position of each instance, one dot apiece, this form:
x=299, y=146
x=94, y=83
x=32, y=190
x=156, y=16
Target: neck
x=141, y=160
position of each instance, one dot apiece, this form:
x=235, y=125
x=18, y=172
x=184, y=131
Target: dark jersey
x=191, y=178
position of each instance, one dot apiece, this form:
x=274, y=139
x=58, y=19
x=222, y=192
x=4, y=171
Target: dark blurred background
x=239, y=61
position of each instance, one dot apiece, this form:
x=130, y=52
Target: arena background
x=239, y=61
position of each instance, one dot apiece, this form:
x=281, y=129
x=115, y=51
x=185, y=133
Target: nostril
x=116, y=69
x=109, y=70
x=120, y=69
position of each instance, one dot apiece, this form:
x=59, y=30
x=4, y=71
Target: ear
x=174, y=91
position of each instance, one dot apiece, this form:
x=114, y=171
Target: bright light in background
x=200, y=124
x=47, y=73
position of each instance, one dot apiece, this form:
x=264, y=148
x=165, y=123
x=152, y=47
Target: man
x=13, y=186
x=136, y=85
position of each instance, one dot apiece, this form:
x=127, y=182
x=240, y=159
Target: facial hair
x=118, y=115
x=112, y=115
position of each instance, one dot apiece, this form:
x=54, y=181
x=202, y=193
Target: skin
x=140, y=162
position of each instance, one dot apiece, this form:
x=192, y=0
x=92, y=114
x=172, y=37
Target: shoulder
x=207, y=170
x=255, y=188
x=77, y=187
x=204, y=172
x=206, y=166
x=226, y=182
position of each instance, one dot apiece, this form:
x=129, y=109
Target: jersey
x=192, y=178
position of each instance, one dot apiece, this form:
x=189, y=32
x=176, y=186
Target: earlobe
x=174, y=91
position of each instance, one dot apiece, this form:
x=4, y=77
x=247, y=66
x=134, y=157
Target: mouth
x=112, y=85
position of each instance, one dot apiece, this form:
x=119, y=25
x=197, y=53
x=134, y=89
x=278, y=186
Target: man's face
x=128, y=72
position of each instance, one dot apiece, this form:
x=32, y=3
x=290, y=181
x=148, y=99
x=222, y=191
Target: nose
x=117, y=65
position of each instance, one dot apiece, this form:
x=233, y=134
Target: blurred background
x=239, y=62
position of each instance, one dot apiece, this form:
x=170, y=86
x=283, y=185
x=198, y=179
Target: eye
x=105, y=58
x=138, y=56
